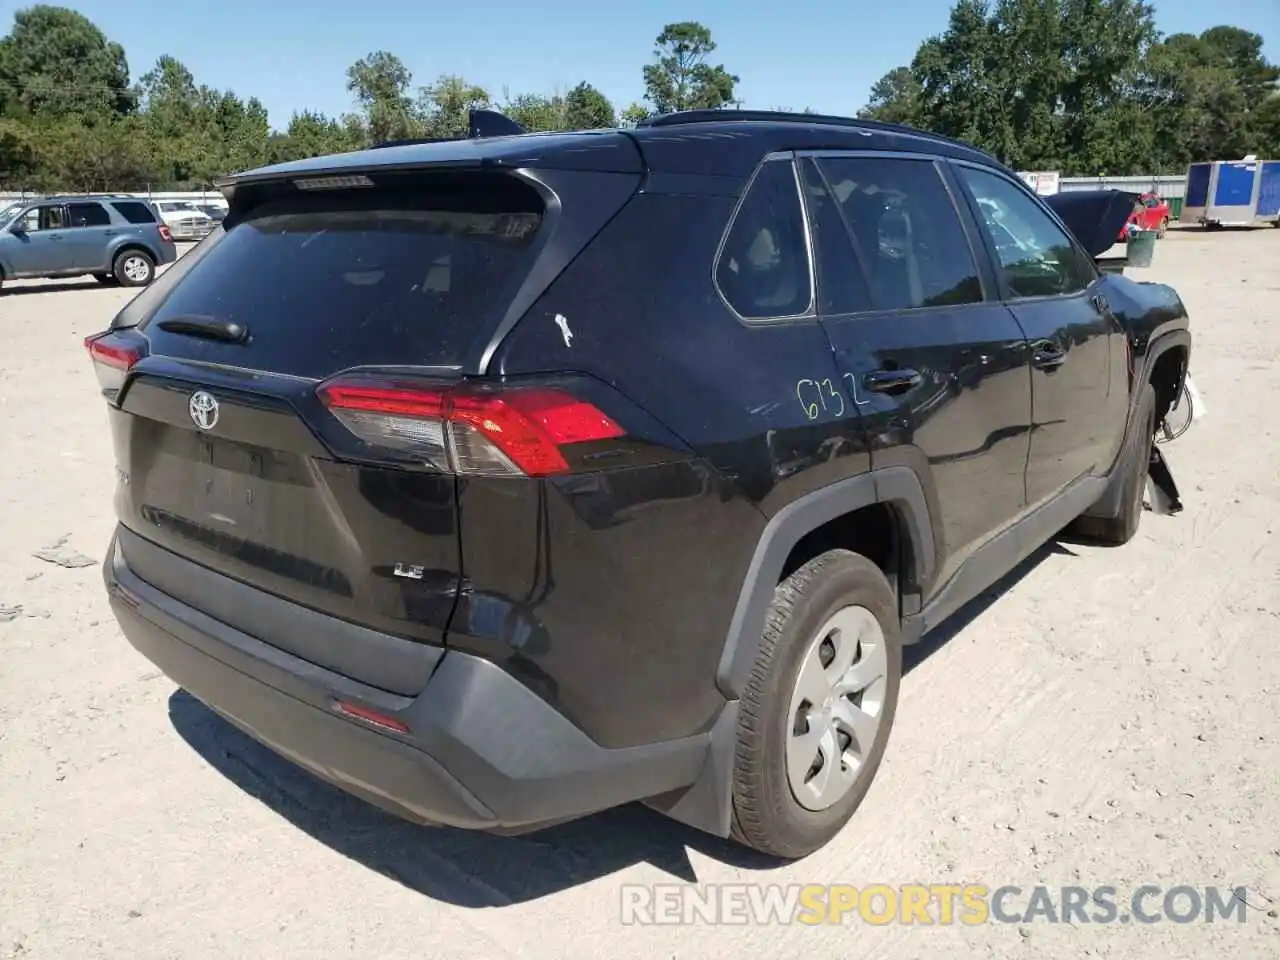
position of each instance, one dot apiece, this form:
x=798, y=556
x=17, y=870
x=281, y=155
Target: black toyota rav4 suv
x=510, y=478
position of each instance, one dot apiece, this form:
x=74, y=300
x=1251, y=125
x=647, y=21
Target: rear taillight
x=512, y=432
x=165, y=235
x=113, y=357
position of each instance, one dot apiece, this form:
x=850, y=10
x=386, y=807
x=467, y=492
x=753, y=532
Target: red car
x=1151, y=212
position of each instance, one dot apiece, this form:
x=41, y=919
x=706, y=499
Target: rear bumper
x=168, y=253
x=484, y=752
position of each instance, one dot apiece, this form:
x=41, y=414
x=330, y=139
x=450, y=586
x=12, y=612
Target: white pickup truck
x=185, y=220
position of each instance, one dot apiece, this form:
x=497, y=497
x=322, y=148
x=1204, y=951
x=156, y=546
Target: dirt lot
x=1110, y=719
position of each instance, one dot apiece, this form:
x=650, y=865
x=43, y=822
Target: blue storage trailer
x=1233, y=193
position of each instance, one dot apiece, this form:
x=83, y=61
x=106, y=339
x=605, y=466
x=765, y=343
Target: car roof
x=711, y=142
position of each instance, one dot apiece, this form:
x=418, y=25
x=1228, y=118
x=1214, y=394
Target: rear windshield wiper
x=210, y=328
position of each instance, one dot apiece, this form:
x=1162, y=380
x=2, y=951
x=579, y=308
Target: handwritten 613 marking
x=807, y=390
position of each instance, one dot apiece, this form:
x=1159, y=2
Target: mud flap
x=1162, y=492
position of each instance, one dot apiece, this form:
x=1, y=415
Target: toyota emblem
x=203, y=408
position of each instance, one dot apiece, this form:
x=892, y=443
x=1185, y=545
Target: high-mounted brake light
x=112, y=360
x=332, y=183
x=517, y=432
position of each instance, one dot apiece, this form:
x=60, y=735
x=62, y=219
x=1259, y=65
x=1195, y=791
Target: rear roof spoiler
x=481, y=124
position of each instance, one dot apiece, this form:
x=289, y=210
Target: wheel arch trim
x=898, y=487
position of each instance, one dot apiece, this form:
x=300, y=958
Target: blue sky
x=823, y=54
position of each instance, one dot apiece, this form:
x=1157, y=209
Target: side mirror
x=18, y=228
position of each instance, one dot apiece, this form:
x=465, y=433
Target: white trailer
x=1233, y=193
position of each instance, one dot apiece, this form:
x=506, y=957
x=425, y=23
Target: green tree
x=204, y=133
x=445, y=105
x=962, y=86
x=55, y=63
x=586, y=108
x=633, y=115
x=894, y=98
x=18, y=158
x=380, y=83
x=680, y=77
x=1266, y=122
x=536, y=113
x=312, y=134
x=1209, y=97
x=102, y=156
x=1085, y=86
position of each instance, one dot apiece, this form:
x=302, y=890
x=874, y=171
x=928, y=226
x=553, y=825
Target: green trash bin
x=1140, y=248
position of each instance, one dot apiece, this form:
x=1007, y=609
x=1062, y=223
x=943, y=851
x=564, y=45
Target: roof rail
x=783, y=116
x=93, y=196
x=480, y=125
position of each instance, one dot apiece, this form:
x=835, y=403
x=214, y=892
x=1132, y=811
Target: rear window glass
x=134, y=211
x=332, y=280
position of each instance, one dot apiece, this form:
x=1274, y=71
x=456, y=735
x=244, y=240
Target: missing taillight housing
x=113, y=357
x=478, y=432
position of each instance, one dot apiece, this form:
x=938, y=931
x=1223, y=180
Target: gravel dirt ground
x=1104, y=717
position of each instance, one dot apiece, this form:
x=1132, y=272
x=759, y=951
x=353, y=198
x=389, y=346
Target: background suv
x=117, y=239
x=506, y=479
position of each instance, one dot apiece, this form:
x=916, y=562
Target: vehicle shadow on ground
x=478, y=870
x=61, y=286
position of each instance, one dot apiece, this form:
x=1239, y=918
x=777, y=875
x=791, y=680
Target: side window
x=134, y=211
x=906, y=230
x=88, y=215
x=842, y=286
x=1037, y=257
x=52, y=218
x=31, y=219
x=763, y=271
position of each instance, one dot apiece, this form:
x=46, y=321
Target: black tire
x=766, y=813
x=129, y=275
x=1118, y=530
x=106, y=279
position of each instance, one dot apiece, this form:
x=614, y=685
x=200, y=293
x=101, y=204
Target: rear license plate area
x=229, y=484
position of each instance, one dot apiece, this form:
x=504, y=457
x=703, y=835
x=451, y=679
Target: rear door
x=227, y=455
x=89, y=231
x=936, y=368
x=1075, y=343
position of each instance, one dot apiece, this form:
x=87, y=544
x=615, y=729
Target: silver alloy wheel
x=836, y=706
x=136, y=268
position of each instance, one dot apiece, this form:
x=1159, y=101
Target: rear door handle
x=1048, y=356
x=891, y=381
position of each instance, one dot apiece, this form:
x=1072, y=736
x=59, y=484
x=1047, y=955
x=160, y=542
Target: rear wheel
x=817, y=710
x=134, y=268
